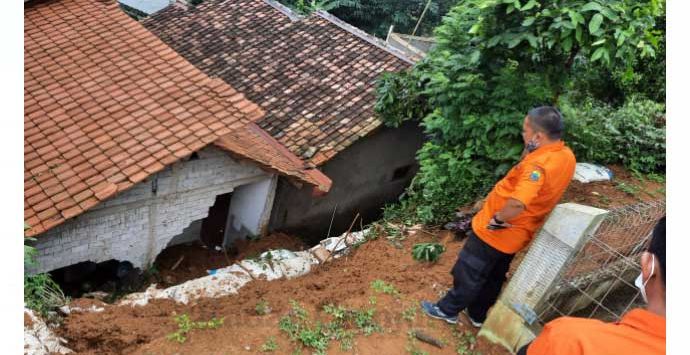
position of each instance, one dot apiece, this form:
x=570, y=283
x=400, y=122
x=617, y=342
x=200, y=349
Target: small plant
x=185, y=325
x=427, y=252
x=262, y=308
x=658, y=178
x=411, y=346
x=381, y=286
x=270, y=345
x=409, y=314
x=629, y=189
x=41, y=293
x=465, y=343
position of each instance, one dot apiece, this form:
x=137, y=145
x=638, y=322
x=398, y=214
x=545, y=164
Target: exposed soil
x=609, y=194
x=345, y=281
x=197, y=258
x=28, y=323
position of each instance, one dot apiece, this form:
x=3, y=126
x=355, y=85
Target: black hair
x=657, y=245
x=548, y=120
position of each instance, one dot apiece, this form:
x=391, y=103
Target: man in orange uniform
x=512, y=212
x=640, y=331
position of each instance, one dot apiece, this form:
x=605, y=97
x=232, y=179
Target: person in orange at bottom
x=512, y=212
x=640, y=331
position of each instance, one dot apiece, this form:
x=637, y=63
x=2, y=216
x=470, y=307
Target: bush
x=427, y=252
x=632, y=135
x=41, y=293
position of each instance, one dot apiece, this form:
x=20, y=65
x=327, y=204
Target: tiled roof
x=106, y=104
x=314, y=77
x=252, y=142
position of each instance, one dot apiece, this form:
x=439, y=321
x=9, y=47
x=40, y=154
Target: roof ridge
x=292, y=15
x=363, y=35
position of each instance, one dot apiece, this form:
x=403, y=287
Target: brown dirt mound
x=345, y=281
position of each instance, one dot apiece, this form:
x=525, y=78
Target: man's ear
x=646, y=261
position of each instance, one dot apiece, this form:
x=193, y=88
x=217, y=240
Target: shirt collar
x=645, y=321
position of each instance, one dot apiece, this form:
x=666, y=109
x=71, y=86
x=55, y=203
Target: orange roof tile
x=107, y=104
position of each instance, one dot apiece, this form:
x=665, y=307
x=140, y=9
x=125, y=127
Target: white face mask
x=642, y=285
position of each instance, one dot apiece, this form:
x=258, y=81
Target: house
x=129, y=148
x=315, y=77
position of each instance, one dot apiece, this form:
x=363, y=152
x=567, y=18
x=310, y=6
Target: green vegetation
x=427, y=252
x=185, y=325
x=270, y=345
x=262, y=308
x=465, y=343
x=344, y=325
x=496, y=59
x=410, y=313
x=381, y=286
x=41, y=293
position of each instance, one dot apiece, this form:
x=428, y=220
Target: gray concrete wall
x=137, y=224
x=249, y=203
x=362, y=183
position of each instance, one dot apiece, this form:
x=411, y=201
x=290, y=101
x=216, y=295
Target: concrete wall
x=249, y=204
x=362, y=183
x=137, y=224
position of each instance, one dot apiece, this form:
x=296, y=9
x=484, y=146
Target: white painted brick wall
x=136, y=225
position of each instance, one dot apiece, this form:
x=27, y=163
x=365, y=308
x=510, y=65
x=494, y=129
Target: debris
x=177, y=263
x=39, y=338
x=586, y=173
x=427, y=338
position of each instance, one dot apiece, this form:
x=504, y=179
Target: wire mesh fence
x=598, y=282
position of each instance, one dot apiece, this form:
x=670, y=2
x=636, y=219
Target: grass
x=343, y=326
x=262, y=308
x=630, y=189
x=465, y=343
x=185, y=325
x=270, y=345
x=410, y=313
x=381, y=286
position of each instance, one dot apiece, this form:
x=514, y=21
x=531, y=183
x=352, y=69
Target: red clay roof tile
x=99, y=89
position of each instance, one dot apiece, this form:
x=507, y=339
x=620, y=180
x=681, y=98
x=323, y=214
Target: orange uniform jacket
x=639, y=332
x=538, y=181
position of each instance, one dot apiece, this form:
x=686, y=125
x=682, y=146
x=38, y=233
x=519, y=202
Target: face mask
x=531, y=146
x=642, y=285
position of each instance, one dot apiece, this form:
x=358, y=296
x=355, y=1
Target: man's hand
x=496, y=224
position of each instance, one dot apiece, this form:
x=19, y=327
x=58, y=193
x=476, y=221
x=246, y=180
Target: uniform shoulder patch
x=535, y=175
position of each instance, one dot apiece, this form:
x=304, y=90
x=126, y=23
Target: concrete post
x=511, y=321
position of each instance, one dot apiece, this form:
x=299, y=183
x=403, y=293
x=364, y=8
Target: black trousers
x=478, y=275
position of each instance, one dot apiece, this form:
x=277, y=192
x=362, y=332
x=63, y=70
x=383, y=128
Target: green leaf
x=599, y=53
x=591, y=6
x=576, y=17
x=474, y=29
x=528, y=21
x=567, y=44
x=515, y=41
x=578, y=34
x=529, y=5
x=532, y=39
x=595, y=23
x=494, y=41
x=609, y=14
x=599, y=42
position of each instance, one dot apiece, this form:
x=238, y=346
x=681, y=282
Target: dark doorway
x=213, y=226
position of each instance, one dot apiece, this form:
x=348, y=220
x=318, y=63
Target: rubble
x=270, y=265
x=39, y=339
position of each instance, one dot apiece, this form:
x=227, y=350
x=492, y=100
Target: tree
x=495, y=59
